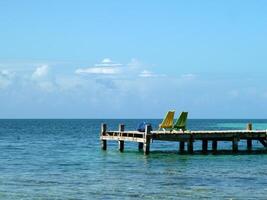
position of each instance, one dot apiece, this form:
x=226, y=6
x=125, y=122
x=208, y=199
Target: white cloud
x=4, y=73
x=148, y=74
x=107, y=62
x=41, y=80
x=188, y=76
x=4, y=83
x=106, y=74
x=40, y=72
x=5, y=78
x=46, y=86
x=134, y=67
x=107, y=66
x=98, y=70
x=70, y=83
x=131, y=70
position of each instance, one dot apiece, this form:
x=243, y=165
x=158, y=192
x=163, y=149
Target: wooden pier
x=183, y=137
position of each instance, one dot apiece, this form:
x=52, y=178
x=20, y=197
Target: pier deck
x=183, y=137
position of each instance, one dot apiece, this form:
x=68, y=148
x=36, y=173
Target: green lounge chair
x=180, y=124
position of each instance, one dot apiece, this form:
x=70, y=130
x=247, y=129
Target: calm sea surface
x=61, y=159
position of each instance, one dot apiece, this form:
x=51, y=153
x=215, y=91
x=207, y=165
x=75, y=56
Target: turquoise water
x=61, y=159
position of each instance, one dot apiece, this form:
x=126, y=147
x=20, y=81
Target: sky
x=133, y=59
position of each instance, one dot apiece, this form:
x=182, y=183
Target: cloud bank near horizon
x=111, y=89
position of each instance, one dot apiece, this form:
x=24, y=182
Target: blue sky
x=133, y=59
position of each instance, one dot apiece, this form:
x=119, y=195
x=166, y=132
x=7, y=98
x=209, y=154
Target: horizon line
x=128, y=118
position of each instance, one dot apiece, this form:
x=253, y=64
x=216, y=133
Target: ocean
x=62, y=159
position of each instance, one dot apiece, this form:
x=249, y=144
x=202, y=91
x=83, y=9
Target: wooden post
x=249, y=126
x=121, y=142
x=140, y=146
x=235, y=144
x=181, y=147
x=249, y=141
x=190, y=146
x=263, y=142
x=103, y=132
x=214, y=146
x=204, y=146
x=147, y=137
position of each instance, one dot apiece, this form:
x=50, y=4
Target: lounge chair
x=180, y=124
x=167, y=122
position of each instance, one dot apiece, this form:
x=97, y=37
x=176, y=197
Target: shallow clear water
x=61, y=159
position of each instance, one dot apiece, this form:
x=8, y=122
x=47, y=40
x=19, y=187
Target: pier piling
x=235, y=144
x=214, y=146
x=147, y=137
x=121, y=142
x=181, y=147
x=190, y=146
x=103, y=133
x=204, y=146
x=140, y=146
x=249, y=141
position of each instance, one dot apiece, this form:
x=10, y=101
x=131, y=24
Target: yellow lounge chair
x=167, y=122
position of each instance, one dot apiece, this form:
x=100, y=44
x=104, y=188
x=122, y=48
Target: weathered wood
x=212, y=132
x=249, y=144
x=147, y=137
x=235, y=145
x=121, y=128
x=171, y=137
x=103, y=129
x=140, y=146
x=263, y=142
x=204, y=146
x=144, y=138
x=121, y=145
x=129, y=139
x=146, y=148
x=104, y=144
x=103, y=133
x=121, y=142
x=198, y=135
x=249, y=141
x=249, y=126
x=190, y=146
x=126, y=132
x=214, y=146
x=181, y=146
x=181, y=137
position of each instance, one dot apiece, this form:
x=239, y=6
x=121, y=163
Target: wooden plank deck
x=143, y=138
